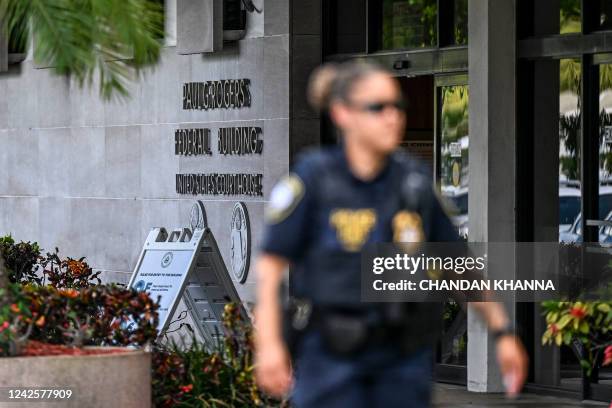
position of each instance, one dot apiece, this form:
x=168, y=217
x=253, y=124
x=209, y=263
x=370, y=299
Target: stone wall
x=93, y=177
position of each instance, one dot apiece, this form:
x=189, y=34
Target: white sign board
x=182, y=264
x=163, y=268
x=162, y=274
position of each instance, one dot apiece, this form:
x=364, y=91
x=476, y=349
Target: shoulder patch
x=285, y=196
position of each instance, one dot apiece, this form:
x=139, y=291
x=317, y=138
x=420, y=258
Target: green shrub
x=98, y=315
x=68, y=272
x=20, y=259
x=66, y=305
x=195, y=376
x=588, y=323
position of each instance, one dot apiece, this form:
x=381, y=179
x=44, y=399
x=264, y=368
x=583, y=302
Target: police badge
x=408, y=227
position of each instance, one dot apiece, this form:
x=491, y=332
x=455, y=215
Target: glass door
x=452, y=175
x=452, y=165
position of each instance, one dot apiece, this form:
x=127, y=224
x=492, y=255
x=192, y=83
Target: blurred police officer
x=335, y=201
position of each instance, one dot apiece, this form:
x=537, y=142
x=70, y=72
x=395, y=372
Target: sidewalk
x=455, y=396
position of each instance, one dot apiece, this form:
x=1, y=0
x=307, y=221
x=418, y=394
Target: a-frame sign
x=188, y=264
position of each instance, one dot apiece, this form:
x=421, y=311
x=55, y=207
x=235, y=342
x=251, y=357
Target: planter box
x=121, y=379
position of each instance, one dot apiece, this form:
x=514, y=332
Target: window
x=368, y=26
x=454, y=149
x=408, y=24
x=460, y=22
x=569, y=17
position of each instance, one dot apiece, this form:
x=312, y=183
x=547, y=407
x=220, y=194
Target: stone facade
x=93, y=177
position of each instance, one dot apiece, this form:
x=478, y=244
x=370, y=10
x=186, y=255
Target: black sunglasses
x=378, y=107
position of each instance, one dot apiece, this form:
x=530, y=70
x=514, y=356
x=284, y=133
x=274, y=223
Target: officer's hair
x=333, y=81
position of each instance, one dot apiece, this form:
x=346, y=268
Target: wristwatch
x=504, y=331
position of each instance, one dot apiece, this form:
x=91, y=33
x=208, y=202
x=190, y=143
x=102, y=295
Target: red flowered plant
x=68, y=272
x=588, y=323
x=73, y=309
x=15, y=321
x=607, y=356
x=96, y=315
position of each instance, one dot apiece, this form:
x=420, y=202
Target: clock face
x=197, y=217
x=240, y=242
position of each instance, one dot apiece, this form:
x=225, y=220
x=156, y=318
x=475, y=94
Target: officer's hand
x=272, y=369
x=513, y=362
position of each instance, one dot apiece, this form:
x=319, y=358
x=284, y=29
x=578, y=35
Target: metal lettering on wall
x=188, y=142
x=220, y=184
x=240, y=140
x=224, y=94
x=235, y=140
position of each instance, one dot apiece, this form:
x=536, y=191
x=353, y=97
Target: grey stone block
x=276, y=17
x=122, y=110
x=122, y=161
x=276, y=77
x=161, y=213
x=21, y=147
x=158, y=164
x=199, y=26
x=167, y=81
x=86, y=173
x=54, y=221
x=57, y=163
x=121, y=240
x=22, y=92
x=5, y=137
x=86, y=108
x=20, y=218
x=52, y=93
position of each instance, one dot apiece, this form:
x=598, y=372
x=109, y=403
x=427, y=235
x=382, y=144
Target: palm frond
x=113, y=38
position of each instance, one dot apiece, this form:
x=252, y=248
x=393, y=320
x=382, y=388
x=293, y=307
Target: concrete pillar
x=170, y=23
x=492, y=216
x=199, y=26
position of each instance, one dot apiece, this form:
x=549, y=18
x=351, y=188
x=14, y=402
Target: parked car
x=569, y=206
x=574, y=234
x=457, y=199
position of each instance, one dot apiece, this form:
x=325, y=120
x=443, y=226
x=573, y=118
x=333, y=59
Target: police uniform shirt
x=320, y=216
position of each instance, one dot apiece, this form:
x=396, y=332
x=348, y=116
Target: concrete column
x=492, y=217
x=199, y=26
x=170, y=23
